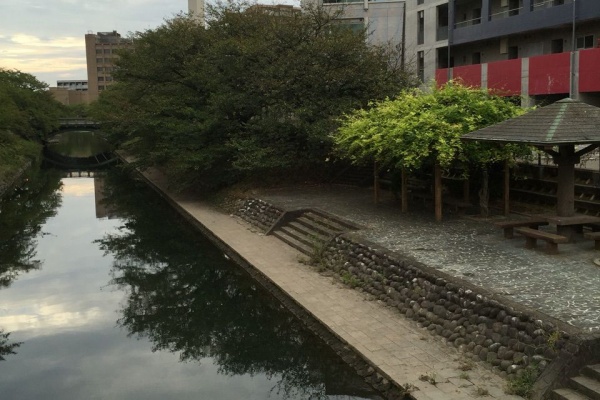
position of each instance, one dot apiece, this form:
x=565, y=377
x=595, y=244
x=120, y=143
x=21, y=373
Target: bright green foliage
x=255, y=91
x=418, y=127
x=28, y=109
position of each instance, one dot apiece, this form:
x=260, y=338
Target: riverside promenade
x=403, y=352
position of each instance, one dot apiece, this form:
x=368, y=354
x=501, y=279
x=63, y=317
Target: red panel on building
x=441, y=76
x=549, y=74
x=470, y=75
x=504, y=77
x=589, y=70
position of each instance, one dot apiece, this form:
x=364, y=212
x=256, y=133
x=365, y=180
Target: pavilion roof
x=565, y=122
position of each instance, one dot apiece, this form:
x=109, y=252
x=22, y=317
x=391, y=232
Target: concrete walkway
x=406, y=353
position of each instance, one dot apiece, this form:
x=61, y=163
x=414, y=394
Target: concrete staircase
x=585, y=386
x=310, y=229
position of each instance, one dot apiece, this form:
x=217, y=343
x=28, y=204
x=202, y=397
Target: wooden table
x=568, y=226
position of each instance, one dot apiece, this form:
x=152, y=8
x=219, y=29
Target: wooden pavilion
x=555, y=129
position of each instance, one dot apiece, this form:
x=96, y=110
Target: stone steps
x=310, y=229
x=582, y=387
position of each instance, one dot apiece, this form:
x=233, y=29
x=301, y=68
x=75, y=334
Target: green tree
x=28, y=109
x=256, y=90
x=422, y=128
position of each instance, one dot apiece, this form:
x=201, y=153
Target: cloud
x=46, y=37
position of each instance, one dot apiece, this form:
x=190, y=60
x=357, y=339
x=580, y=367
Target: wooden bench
x=595, y=236
x=508, y=226
x=532, y=235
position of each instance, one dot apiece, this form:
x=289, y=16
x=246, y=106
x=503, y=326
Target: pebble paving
x=564, y=286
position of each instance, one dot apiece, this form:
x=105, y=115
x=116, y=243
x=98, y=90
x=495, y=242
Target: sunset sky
x=46, y=37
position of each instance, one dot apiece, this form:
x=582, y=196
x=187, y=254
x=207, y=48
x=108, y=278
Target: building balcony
x=533, y=76
x=517, y=18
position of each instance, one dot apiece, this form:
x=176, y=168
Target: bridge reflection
x=77, y=123
x=98, y=161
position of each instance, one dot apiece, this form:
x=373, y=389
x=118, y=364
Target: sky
x=45, y=38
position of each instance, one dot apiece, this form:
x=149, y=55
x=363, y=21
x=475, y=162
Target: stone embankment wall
x=506, y=335
x=258, y=213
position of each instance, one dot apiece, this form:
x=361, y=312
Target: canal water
x=79, y=143
x=112, y=296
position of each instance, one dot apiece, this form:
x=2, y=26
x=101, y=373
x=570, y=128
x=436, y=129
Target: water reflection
x=23, y=211
x=185, y=297
x=79, y=143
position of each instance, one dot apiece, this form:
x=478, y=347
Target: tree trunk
x=484, y=193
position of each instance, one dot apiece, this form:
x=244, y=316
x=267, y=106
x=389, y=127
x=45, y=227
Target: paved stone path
x=564, y=286
x=397, y=346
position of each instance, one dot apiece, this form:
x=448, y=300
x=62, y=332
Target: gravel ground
x=564, y=286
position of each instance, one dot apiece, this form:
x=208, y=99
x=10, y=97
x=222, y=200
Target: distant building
x=77, y=85
x=70, y=92
x=69, y=97
x=196, y=7
x=384, y=20
x=100, y=51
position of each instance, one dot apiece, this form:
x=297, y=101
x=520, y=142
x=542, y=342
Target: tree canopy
x=257, y=89
x=28, y=109
x=418, y=127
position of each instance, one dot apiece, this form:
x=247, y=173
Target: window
x=100, y=79
x=476, y=16
x=514, y=7
x=513, y=52
x=476, y=58
x=585, y=42
x=420, y=2
x=101, y=87
x=107, y=51
x=556, y=46
x=442, y=22
x=99, y=60
x=421, y=66
x=100, y=69
x=421, y=27
x=442, y=58
x=98, y=51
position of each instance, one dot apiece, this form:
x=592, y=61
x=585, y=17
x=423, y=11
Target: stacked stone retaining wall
x=493, y=329
x=259, y=213
x=509, y=337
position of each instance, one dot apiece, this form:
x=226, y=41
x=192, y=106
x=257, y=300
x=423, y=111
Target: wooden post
x=404, y=191
x=437, y=191
x=565, y=193
x=376, y=187
x=506, y=188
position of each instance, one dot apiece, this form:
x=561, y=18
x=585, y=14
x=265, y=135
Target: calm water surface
x=117, y=299
x=79, y=143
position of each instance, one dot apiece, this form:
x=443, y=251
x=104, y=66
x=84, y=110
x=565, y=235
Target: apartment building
x=100, y=51
x=427, y=37
x=542, y=50
x=383, y=19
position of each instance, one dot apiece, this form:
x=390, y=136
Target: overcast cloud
x=46, y=37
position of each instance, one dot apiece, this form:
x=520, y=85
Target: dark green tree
x=28, y=109
x=256, y=90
